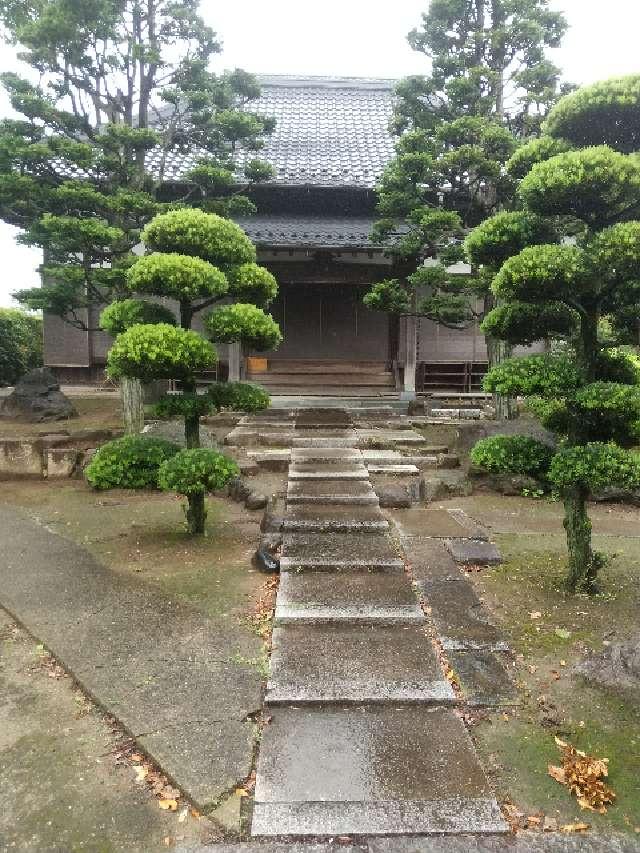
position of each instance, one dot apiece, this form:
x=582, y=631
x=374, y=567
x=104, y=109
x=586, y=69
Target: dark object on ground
x=36, y=398
x=238, y=490
x=256, y=501
x=616, y=668
x=266, y=562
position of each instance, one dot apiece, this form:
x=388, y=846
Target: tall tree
x=585, y=292
x=489, y=85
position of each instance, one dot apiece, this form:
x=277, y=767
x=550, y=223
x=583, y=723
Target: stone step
x=325, y=441
x=405, y=437
x=395, y=470
x=382, y=456
x=324, y=518
x=325, y=454
x=353, y=597
x=344, y=493
x=323, y=552
x=270, y=460
x=333, y=471
x=374, y=770
x=355, y=663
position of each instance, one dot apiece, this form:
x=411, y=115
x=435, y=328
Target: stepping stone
x=458, y=613
x=395, y=470
x=326, y=552
x=471, y=552
x=325, y=454
x=371, y=770
x=431, y=562
x=483, y=677
x=332, y=471
x=355, y=663
x=334, y=519
x=353, y=597
x=354, y=493
x=425, y=522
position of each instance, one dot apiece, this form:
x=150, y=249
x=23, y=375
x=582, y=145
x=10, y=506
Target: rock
x=617, y=668
x=238, y=490
x=36, y=398
x=265, y=561
x=448, y=460
x=256, y=501
x=394, y=497
x=273, y=519
x=61, y=462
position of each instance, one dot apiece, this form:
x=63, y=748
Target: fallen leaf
x=562, y=633
x=240, y=792
x=550, y=824
x=183, y=814
x=168, y=805
x=142, y=771
x=535, y=615
x=575, y=827
x=136, y=756
x=556, y=773
x=584, y=776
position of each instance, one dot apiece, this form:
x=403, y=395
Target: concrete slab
x=352, y=597
x=400, y=436
x=347, y=663
x=324, y=441
x=483, y=677
x=325, y=454
x=345, y=470
x=334, y=519
x=458, y=613
x=471, y=552
x=394, y=470
x=382, y=455
x=158, y=665
x=420, y=521
x=345, y=493
x=430, y=560
x=370, y=770
x=326, y=552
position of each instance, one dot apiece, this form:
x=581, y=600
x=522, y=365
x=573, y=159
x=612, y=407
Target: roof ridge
x=325, y=82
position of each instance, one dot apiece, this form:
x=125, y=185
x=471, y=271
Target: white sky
x=360, y=39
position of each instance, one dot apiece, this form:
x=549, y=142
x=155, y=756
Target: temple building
x=312, y=231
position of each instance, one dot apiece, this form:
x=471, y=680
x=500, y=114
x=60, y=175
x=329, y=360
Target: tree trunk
x=506, y=407
x=132, y=395
x=192, y=432
x=196, y=514
x=583, y=563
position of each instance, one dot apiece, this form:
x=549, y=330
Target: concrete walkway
x=363, y=737
x=157, y=665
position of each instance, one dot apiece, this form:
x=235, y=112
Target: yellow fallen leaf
x=240, y=792
x=575, y=827
x=183, y=814
x=535, y=614
x=142, y=771
x=168, y=805
x=557, y=773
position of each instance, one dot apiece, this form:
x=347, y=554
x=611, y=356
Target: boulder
x=617, y=668
x=37, y=398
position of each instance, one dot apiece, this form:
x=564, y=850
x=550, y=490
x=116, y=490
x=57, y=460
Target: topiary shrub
x=183, y=405
x=246, y=323
x=513, y=454
x=131, y=462
x=193, y=473
x=159, y=351
x=189, y=231
x=239, y=396
x=121, y=315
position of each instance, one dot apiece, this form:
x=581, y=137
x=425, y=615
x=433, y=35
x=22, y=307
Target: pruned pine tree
x=490, y=85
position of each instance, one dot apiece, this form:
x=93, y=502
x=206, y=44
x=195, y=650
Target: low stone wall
x=56, y=456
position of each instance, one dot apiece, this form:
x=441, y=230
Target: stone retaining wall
x=55, y=456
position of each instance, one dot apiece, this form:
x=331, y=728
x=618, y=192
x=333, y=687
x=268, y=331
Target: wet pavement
x=362, y=737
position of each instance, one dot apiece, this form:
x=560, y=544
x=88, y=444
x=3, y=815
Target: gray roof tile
x=276, y=231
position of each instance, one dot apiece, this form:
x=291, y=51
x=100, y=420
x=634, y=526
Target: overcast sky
x=358, y=38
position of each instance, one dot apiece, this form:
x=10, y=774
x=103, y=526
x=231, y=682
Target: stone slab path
x=159, y=666
x=363, y=737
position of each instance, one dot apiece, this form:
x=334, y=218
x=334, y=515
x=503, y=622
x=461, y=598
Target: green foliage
x=182, y=405
x=20, y=344
x=609, y=411
x=390, y=296
x=534, y=151
x=124, y=313
x=618, y=365
x=197, y=471
x=594, y=467
x=131, y=462
x=203, y=235
x=253, y=283
x=525, y=322
x=245, y=323
x=159, y=351
x=606, y=112
x=540, y=273
x=177, y=276
x=532, y=375
x=596, y=185
x=238, y=396
x=513, y=454
x=505, y=234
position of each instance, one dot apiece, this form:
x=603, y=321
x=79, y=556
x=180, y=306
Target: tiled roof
x=329, y=131
x=309, y=231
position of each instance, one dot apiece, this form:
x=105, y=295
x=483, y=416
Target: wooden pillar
x=410, y=357
x=234, y=362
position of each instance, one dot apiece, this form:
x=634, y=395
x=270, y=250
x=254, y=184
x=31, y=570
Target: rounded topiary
x=183, y=405
x=176, y=276
x=190, y=231
x=595, y=466
x=193, y=473
x=121, y=315
x=504, y=235
x=131, y=462
x=253, y=283
x=159, y=351
x=513, y=454
x=239, y=396
x=546, y=375
x=246, y=323
x=532, y=152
